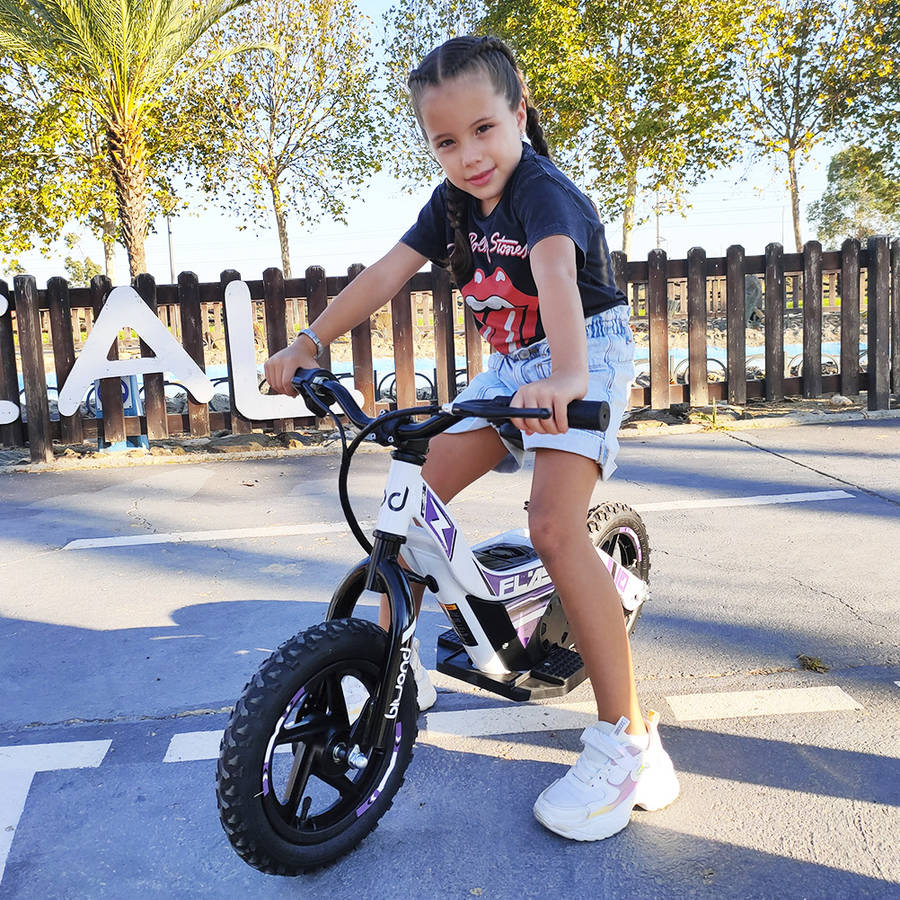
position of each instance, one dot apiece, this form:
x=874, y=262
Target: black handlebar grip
x=592, y=415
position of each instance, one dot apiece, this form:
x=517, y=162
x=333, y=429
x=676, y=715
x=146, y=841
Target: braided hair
x=452, y=59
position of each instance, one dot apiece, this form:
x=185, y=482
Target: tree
x=413, y=28
x=298, y=130
x=52, y=167
x=877, y=117
x=807, y=67
x=116, y=57
x=633, y=93
x=79, y=268
x=860, y=200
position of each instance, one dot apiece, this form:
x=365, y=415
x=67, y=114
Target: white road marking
x=517, y=719
x=779, y=701
x=224, y=534
x=190, y=746
x=17, y=768
x=760, y=500
x=230, y=534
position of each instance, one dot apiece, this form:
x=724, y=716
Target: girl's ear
x=521, y=116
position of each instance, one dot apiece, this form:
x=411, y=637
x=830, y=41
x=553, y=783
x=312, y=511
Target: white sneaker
x=594, y=799
x=426, y=693
x=657, y=783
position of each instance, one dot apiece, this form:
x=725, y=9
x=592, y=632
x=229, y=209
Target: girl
x=529, y=255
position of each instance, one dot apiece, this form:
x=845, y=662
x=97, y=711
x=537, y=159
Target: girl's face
x=473, y=134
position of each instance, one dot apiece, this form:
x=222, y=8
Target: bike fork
x=383, y=572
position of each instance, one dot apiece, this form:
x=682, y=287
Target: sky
x=747, y=205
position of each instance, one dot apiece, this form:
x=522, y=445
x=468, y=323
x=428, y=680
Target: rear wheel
x=292, y=790
x=620, y=533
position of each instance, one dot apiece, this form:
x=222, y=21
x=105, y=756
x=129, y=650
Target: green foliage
x=634, y=94
x=113, y=60
x=52, y=169
x=808, y=69
x=295, y=129
x=877, y=116
x=413, y=28
x=860, y=200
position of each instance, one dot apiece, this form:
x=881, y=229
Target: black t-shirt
x=538, y=201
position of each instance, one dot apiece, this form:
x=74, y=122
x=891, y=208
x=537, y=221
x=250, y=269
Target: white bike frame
x=435, y=545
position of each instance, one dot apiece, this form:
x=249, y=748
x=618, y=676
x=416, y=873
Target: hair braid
x=461, y=263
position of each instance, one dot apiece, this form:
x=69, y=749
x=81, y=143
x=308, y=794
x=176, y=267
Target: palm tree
x=119, y=56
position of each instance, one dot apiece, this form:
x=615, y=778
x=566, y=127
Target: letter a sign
x=124, y=308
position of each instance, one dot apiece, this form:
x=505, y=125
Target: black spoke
x=343, y=784
x=296, y=783
x=337, y=703
x=309, y=727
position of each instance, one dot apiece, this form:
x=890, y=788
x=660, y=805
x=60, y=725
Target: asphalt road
x=119, y=663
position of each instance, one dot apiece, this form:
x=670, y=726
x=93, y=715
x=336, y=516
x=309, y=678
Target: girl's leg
x=454, y=461
x=560, y=494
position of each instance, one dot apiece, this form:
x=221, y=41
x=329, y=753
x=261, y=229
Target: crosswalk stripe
x=773, y=702
x=17, y=768
x=518, y=719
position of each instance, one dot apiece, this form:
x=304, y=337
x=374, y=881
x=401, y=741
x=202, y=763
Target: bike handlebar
x=320, y=390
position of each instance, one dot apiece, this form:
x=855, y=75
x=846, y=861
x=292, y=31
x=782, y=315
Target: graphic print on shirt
x=507, y=318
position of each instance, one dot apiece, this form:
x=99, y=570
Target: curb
x=650, y=428
x=638, y=430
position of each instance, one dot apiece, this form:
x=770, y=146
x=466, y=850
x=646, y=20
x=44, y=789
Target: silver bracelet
x=315, y=339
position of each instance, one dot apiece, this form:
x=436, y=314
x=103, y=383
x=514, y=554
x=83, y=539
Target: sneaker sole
x=596, y=830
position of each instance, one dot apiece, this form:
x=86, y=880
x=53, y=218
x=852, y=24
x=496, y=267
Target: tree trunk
x=795, y=196
x=281, y=222
x=127, y=155
x=628, y=212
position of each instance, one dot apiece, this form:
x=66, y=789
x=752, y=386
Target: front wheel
x=291, y=789
x=620, y=533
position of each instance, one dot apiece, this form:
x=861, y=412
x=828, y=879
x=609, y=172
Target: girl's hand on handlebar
x=554, y=393
x=280, y=367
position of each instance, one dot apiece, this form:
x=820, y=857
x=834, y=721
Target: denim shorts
x=610, y=351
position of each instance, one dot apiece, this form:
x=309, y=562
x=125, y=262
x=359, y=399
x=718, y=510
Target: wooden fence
x=43, y=327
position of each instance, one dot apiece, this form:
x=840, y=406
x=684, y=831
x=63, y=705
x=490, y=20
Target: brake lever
x=305, y=384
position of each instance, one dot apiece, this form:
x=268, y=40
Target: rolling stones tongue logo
x=506, y=317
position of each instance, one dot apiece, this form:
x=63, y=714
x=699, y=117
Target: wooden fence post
x=192, y=335
x=474, y=351
x=879, y=297
x=850, y=317
x=361, y=344
x=774, y=309
x=895, y=316
x=444, y=337
x=736, y=320
x=275, y=301
x=154, y=382
x=404, y=353
x=71, y=430
x=11, y=435
x=28, y=319
x=698, y=377
x=812, y=319
x=239, y=425
x=620, y=272
x=658, y=317
x=112, y=427
x=316, y=303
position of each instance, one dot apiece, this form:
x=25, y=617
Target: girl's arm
x=554, y=268
x=368, y=292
